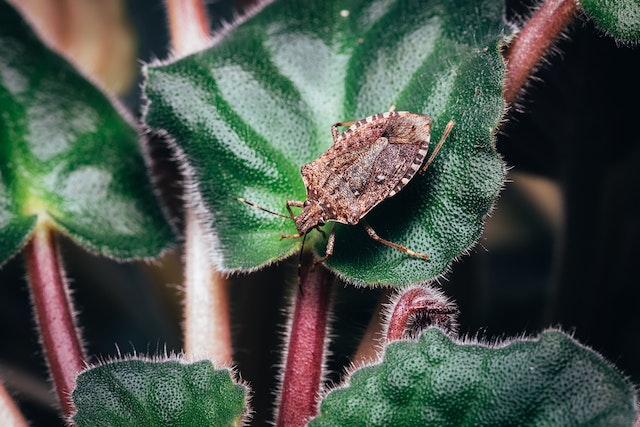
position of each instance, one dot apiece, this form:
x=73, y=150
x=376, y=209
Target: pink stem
x=420, y=301
x=188, y=25
x=207, y=324
x=9, y=412
x=534, y=41
x=306, y=351
x=370, y=344
x=54, y=314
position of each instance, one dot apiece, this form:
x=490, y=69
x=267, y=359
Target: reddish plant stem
x=534, y=41
x=188, y=25
x=421, y=301
x=10, y=415
x=306, y=351
x=207, y=324
x=370, y=344
x=54, y=314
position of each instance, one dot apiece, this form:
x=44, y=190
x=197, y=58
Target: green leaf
x=551, y=381
x=142, y=393
x=618, y=18
x=247, y=113
x=68, y=155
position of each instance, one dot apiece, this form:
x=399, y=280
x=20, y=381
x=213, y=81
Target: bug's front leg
x=330, y=245
x=297, y=204
x=334, y=129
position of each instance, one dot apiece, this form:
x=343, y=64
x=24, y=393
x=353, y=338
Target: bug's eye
x=306, y=203
x=322, y=221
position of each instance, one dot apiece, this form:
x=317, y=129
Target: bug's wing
x=354, y=167
x=408, y=135
x=392, y=171
x=372, y=160
x=339, y=177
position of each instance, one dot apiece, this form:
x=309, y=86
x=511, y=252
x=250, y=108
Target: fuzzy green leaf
x=67, y=154
x=247, y=113
x=551, y=381
x=137, y=393
x=618, y=18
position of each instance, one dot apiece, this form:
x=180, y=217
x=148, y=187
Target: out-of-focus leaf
x=67, y=154
x=618, y=18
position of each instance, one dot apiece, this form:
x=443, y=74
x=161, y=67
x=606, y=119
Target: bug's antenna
x=304, y=237
x=445, y=134
x=253, y=205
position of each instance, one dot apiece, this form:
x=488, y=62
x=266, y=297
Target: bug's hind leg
x=294, y=203
x=372, y=233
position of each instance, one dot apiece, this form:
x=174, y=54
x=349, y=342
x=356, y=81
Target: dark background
x=558, y=251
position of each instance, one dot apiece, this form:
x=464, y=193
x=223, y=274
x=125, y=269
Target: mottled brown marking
x=363, y=167
x=372, y=160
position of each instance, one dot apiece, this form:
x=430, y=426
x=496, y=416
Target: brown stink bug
x=369, y=162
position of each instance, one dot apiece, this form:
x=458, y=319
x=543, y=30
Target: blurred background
x=558, y=251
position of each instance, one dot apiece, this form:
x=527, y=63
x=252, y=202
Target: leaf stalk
x=207, y=324
x=54, y=314
x=188, y=25
x=9, y=412
x=533, y=42
x=304, y=366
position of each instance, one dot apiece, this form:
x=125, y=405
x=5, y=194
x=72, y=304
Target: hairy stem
x=207, y=329
x=10, y=415
x=306, y=350
x=534, y=41
x=188, y=25
x=207, y=326
x=54, y=314
x=370, y=344
x=423, y=307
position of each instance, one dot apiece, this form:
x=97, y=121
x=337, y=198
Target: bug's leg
x=295, y=203
x=372, y=233
x=334, y=128
x=300, y=264
x=445, y=134
x=330, y=245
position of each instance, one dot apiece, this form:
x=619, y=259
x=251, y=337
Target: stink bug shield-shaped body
x=372, y=160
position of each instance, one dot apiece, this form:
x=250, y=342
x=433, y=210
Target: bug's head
x=312, y=215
